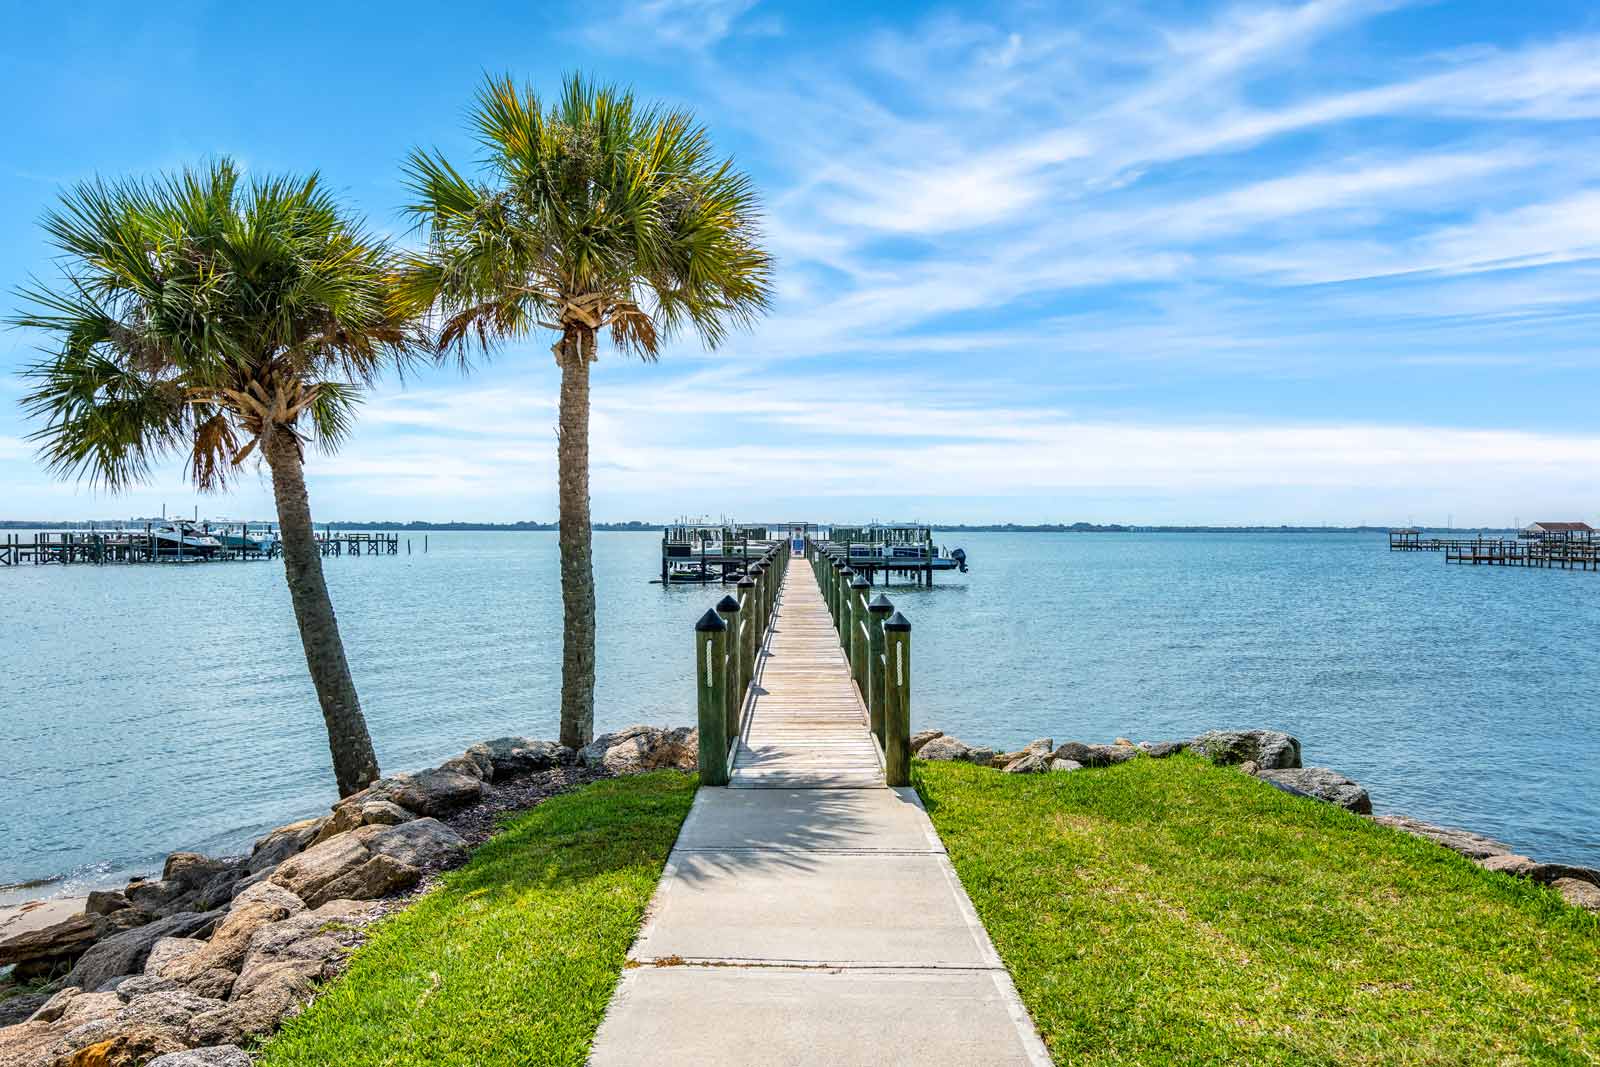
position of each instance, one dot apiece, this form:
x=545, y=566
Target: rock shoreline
x=1275, y=758
x=182, y=970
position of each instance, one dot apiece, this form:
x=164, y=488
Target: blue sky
x=1334, y=261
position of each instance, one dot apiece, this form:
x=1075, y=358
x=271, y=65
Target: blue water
x=150, y=708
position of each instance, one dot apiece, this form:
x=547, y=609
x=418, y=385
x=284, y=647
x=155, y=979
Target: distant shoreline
x=656, y=527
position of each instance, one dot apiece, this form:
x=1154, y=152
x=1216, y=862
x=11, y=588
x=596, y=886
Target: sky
x=1325, y=262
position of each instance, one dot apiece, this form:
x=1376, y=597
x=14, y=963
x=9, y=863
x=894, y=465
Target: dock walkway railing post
x=729, y=611
x=711, y=647
x=858, y=634
x=897, y=706
x=728, y=641
x=877, y=612
x=752, y=642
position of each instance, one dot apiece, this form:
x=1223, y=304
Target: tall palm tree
x=595, y=213
x=204, y=316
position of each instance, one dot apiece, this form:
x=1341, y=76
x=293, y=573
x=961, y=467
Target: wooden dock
x=87, y=546
x=805, y=725
x=811, y=916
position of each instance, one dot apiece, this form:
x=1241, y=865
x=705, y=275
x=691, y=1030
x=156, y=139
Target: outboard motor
x=960, y=556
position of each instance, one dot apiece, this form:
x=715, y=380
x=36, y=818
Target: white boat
x=182, y=538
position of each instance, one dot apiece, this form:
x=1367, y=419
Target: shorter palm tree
x=212, y=318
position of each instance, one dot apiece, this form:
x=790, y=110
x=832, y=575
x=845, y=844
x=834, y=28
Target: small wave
x=32, y=883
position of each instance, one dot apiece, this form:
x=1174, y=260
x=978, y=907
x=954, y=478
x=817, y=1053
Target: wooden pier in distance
x=1543, y=546
x=85, y=546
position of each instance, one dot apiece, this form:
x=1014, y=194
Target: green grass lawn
x=1168, y=911
x=513, y=958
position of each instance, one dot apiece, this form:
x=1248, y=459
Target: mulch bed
x=511, y=795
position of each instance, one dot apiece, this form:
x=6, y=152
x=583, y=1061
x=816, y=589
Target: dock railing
x=876, y=641
x=728, y=642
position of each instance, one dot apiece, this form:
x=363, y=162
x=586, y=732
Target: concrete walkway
x=812, y=916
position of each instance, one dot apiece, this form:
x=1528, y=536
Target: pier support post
x=728, y=610
x=897, y=706
x=763, y=613
x=753, y=634
x=844, y=608
x=858, y=635
x=877, y=611
x=711, y=653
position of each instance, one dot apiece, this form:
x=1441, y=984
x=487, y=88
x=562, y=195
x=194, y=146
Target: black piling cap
x=898, y=623
x=881, y=605
x=858, y=583
x=727, y=605
x=845, y=572
x=710, y=623
x=747, y=583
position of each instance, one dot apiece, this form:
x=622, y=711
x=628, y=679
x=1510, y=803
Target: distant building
x=1558, y=531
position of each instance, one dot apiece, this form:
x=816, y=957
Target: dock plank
x=806, y=726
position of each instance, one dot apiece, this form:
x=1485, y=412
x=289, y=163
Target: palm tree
x=204, y=316
x=596, y=213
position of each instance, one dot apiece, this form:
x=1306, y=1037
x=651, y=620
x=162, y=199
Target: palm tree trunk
x=577, y=547
x=355, y=765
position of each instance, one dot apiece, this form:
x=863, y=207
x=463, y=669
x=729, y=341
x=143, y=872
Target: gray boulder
x=922, y=737
x=1064, y=764
x=1041, y=747
x=215, y=1056
x=1578, y=893
x=519, y=755
x=171, y=1008
x=471, y=766
x=1095, y=755
x=643, y=748
x=56, y=1004
x=270, y=893
x=1271, y=749
x=19, y=1008
x=157, y=896
x=51, y=945
x=140, y=984
x=125, y=953
x=169, y=952
x=425, y=843
x=435, y=792
x=361, y=811
x=954, y=749
x=1030, y=763
x=1471, y=845
x=105, y=901
x=323, y=937
x=1162, y=749
x=343, y=867
x=1543, y=873
x=192, y=870
x=278, y=845
x=1320, y=783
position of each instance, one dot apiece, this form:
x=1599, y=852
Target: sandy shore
x=37, y=914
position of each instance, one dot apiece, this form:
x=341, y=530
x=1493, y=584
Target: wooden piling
x=728, y=609
x=897, y=706
x=877, y=611
x=711, y=653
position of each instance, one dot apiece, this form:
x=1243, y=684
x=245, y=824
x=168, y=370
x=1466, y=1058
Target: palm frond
x=593, y=210
x=203, y=284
